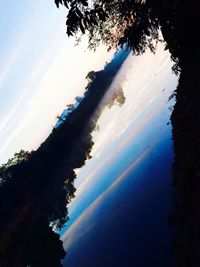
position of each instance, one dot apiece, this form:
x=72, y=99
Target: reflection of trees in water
x=41, y=184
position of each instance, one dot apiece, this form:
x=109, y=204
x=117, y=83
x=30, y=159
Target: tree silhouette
x=136, y=23
x=114, y=22
x=60, y=118
x=18, y=158
x=41, y=183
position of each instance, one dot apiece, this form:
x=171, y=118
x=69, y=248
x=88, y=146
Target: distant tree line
x=137, y=24
x=38, y=186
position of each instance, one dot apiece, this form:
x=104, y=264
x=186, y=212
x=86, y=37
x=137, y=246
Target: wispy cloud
x=10, y=62
x=4, y=124
x=41, y=65
x=44, y=94
x=131, y=124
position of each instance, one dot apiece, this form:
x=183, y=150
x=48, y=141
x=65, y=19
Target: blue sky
x=41, y=71
x=126, y=137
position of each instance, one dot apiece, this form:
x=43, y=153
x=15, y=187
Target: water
x=119, y=215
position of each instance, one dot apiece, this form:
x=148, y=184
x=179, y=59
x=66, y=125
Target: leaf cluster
x=113, y=23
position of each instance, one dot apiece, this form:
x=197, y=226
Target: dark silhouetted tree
x=136, y=23
x=113, y=22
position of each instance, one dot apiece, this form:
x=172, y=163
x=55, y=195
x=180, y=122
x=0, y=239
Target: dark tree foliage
x=39, y=185
x=137, y=23
x=114, y=23
x=6, y=169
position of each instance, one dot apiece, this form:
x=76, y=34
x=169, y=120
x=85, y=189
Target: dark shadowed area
x=123, y=218
x=36, y=187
